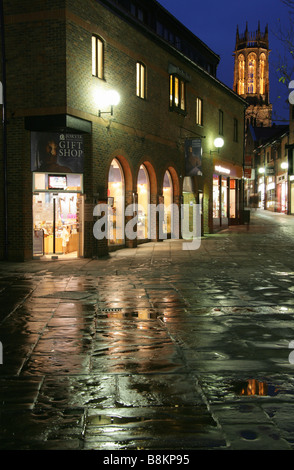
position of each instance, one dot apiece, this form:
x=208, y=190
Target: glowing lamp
x=105, y=99
x=218, y=143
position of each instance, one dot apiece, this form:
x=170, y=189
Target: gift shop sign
x=57, y=152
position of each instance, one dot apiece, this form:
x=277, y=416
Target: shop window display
x=216, y=198
x=57, y=203
x=143, y=189
x=116, y=192
x=53, y=213
x=168, y=200
x=233, y=199
x=224, y=197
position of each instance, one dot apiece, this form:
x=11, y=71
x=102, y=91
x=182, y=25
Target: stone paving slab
x=152, y=348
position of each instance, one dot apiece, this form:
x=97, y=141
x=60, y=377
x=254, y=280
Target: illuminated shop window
x=116, y=197
x=233, y=199
x=168, y=200
x=68, y=182
x=216, y=197
x=143, y=189
x=97, y=57
x=140, y=80
x=224, y=202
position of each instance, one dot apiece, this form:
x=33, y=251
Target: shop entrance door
x=57, y=224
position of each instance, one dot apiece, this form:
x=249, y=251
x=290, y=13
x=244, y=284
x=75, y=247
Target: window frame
x=141, y=76
x=98, y=56
x=199, y=115
x=177, y=93
x=220, y=122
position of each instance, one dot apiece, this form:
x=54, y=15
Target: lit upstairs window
x=199, y=111
x=177, y=93
x=97, y=57
x=141, y=80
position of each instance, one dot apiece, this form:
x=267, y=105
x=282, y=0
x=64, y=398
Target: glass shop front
x=57, y=214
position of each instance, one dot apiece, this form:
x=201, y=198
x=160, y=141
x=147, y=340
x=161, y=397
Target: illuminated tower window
x=251, y=81
x=241, y=82
x=262, y=74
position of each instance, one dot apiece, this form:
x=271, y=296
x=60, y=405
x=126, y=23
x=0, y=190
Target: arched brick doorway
x=146, y=191
x=119, y=192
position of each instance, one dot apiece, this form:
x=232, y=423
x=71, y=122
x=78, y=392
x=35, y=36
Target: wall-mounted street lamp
x=218, y=143
x=106, y=99
x=284, y=166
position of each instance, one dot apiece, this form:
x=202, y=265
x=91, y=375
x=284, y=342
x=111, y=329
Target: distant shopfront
x=282, y=193
x=227, y=194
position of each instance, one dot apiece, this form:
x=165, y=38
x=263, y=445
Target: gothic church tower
x=251, y=75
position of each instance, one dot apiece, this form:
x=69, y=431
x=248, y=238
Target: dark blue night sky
x=215, y=23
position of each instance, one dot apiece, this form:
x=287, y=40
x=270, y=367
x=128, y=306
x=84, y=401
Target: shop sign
x=221, y=169
x=270, y=186
x=247, y=173
x=57, y=152
x=270, y=170
x=248, y=160
x=193, y=157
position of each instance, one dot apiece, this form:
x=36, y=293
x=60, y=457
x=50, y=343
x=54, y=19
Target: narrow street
x=153, y=348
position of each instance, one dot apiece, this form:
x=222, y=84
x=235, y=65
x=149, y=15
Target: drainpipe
x=4, y=130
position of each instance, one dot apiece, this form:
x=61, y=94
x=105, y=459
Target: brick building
x=66, y=150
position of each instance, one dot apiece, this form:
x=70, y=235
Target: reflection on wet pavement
x=255, y=387
x=153, y=348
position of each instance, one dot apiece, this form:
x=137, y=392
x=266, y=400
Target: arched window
x=143, y=189
x=251, y=79
x=168, y=200
x=241, y=75
x=262, y=62
x=116, y=198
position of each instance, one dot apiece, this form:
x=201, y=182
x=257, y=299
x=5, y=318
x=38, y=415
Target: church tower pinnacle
x=251, y=75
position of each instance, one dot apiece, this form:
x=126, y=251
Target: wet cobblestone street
x=153, y=348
